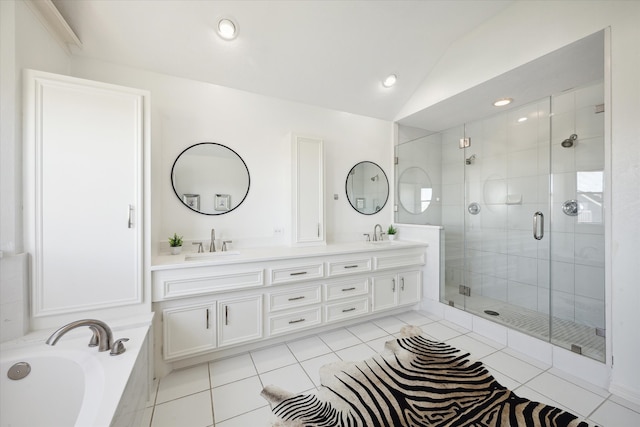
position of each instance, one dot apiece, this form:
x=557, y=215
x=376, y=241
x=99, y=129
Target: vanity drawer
x=294, y=298
x=337, y=268
x=400, y=259
x=293, y=321
x=347, y=309
x=296, y=273
x=346, y=289
x=169, y=284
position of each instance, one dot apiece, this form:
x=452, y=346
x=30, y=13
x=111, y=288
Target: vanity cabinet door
x=239, y=320
x=384, y=292
x=308, y=190
x=189, y=330
x=410, y=287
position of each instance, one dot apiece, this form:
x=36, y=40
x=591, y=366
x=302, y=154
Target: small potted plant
x=175, y=243
x=391, y=232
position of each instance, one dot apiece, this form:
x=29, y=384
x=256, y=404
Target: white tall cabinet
x=308, y=190
x=84, y=193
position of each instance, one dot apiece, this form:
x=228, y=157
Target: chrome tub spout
x=101, y=333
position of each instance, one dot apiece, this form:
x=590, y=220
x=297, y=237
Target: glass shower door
x=506, y=211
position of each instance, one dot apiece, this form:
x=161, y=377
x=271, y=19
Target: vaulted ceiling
x=332, y=54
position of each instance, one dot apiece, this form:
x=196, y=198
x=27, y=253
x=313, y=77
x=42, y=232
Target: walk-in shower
x=523, y=216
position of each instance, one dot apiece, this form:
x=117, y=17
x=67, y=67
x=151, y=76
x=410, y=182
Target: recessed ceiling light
x=227, y=29
x=390, y=80
x=502, y=102
x=522, y=119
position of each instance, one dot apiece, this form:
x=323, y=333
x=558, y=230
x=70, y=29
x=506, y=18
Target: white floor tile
x=237, y=398
x=378, y=344
x=258, y=418
x=610, y=414
x=232, y=369
x=390, y=324
x=504, y=380
x=511, y=366
x=527, y=393
x=579, y=401
x=190, y=411
x=153, y=393
x=367, y=331
x=476, y=348
x=292, y=378
x=414, y=318
x=454, y=326
x=308, y=348
x=312, y=366
x=356, y=353
x=623, y=402
x=339, y=339
x=272, y=358
x=439, y=331
x=183, y=382
x=530, y=360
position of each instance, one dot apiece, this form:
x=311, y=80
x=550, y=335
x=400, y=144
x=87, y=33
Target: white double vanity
x=215, y=301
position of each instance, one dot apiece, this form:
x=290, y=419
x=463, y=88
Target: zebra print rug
x=417, y=382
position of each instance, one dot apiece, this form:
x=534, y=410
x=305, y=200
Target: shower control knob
x=474, y=208
x=570, y=208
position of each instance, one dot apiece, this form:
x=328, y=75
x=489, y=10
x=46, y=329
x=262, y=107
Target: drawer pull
x=299, y=273
x=393, y=285
x=348, y=309
x=296, y=321
x=351, y=266
x=348, y=289
x=296, y=298
x=207, y=318
x=402, y=283
x=226, y=315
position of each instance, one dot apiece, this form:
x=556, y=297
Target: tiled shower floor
x=226, y=393
x=565, y=333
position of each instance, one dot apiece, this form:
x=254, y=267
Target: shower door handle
x=538, y=223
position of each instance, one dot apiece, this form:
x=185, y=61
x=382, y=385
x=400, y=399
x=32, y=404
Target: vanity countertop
x=192, y=259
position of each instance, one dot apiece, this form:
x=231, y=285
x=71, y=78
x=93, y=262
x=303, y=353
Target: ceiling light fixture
x=390, y=80
x=502, y=102
x=522, y=119
x=227, y=29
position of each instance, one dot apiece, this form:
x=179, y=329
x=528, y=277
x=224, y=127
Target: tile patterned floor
x=226, y=393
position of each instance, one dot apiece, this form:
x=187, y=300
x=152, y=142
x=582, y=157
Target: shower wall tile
x=543, y=300
x=494, y=216
x=522, y=163
x=589, y=282
x=453, y=194
x=563, y=247
x=563, y=160
x=589, y=249
x=526, y=187
x=453, y=173
x=589, y=95
x=519, y=242
x=523, y=270
x=563, y=103
x=492, y=166
x=590, y=153
x=563, y=125
x=586, y=126
x=589, y=312
x=493, y=287
x=493, y=191
x=543, y=273
x=494, y=241
x=563, y=305
x=563, y=276
x=522, y=295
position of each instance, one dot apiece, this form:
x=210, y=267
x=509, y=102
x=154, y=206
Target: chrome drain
x=492, y=313
x=19, y=371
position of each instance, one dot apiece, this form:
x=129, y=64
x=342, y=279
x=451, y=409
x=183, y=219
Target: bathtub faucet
x=102, y=335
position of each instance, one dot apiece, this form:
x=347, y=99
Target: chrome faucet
x=212, y=248
x=377, y=236
x=102, y=335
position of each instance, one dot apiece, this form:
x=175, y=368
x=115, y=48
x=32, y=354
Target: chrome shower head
x=375, y=178
x=470, y=159
x=568, y=143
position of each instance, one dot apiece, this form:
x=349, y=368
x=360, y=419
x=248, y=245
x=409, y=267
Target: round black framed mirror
x=210, y=178
x=367, y=188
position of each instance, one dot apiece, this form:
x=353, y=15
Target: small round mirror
x=210, y=178
x=415, y=190
x=367, y=188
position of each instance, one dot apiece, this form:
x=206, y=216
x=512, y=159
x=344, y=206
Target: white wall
x=185, y=112
x=530, y=29
x=24, y=43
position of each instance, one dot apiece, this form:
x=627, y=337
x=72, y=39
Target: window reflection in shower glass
x=590, y=186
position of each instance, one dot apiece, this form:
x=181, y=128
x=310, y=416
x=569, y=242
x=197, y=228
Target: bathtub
x=71, y=384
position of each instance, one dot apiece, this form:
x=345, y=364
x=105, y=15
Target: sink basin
x=384, y=243
x=209, y=255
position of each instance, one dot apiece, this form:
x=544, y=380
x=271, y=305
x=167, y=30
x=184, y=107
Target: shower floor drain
x=492, y=313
